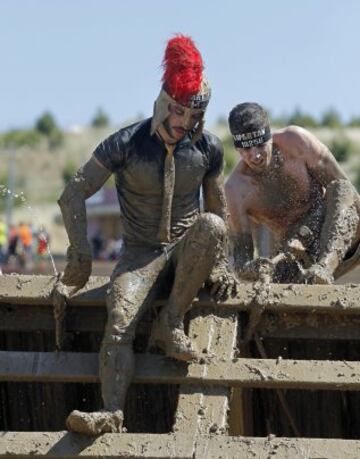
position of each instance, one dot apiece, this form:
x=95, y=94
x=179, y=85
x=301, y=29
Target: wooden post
x=202, y=409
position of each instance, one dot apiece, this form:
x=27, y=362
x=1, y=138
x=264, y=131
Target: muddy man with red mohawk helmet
x=160, y=164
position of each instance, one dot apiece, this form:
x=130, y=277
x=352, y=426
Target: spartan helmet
x=183, y=83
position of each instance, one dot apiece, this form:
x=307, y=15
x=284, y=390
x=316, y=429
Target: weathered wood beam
x=338, y=299
x=309, y=326
x=65, y=444
x=31, y=318
x=203, y=409
x=279, y=448
x=160, y=446
x=155, y=369
x=26, y=289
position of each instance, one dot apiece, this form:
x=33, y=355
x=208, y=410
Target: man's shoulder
x=291, y=138
x=210, y=140
x=127, y=133
x=113, y=152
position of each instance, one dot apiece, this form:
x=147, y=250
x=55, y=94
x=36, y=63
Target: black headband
x=252, y=138
x=200, y=100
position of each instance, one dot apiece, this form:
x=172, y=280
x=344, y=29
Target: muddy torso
x=137, y=160
x=283, y=194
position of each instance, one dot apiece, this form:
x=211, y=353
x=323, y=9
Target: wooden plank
x=65, y=444
x=154, y=369
x=26, y=289
x=309, y=326
x=32, y=318
x=204, y=409
x=337, y=299
x=217, y=447
x=290, y=298
x=179, y=446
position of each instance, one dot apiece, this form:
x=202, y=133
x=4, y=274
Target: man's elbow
x=72, y=190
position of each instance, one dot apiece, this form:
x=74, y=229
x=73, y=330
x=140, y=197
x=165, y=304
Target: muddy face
x=180, y=121
x=257, y=158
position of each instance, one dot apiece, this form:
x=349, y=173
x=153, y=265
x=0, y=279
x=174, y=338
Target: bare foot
x=172, y=341
x=95, y=423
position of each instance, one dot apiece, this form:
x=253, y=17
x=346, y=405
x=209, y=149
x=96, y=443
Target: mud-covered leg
x=195, y=257
x=340, y=231
x=130, y=293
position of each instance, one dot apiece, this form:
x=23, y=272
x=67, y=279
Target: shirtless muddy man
x=290, y=182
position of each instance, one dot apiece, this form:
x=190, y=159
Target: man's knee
x=212, y=226
x=120, y=327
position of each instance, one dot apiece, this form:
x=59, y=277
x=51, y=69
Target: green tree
x=279, y=121
x=302, y=119
x=46, y=124
x=331, y=119
x=354, y=122
x=100, y=119
x=341, y=148
x=68, y=171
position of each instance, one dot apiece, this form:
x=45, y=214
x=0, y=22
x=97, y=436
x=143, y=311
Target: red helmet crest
x=183, y=67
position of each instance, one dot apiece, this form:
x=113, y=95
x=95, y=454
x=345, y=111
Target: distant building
x=103, y=214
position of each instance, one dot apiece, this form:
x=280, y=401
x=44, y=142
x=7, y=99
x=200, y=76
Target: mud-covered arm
x=213, y=183
x=222, y=278
x=214, y=196
x=246, y=266
x=319, y=160
x=84, y=184
x=240, y=226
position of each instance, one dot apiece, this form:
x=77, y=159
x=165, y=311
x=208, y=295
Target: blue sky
x=70, y=57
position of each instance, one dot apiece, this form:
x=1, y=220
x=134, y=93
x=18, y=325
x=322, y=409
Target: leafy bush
x=354, y=122
x=46, y=124
x=18, y=138
x=68, y=171
x=331, y=119
x=341, y=148
x=56, y=139
x=302, y=119
x=100, y=119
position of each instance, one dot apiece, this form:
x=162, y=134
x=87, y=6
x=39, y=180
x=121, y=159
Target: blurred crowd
x=105, y=248
x=23, y=248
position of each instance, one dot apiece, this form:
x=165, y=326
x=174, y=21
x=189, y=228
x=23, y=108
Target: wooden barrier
x=287, y=311
x=180, y=446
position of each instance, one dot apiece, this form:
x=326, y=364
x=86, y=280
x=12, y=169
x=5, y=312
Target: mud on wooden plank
x=342, y=299
x=178, y=446
x=154, y=369
x=205, y=409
